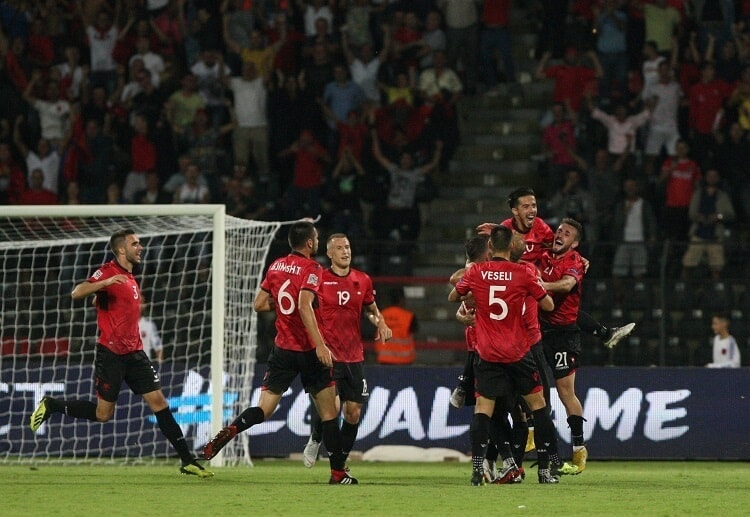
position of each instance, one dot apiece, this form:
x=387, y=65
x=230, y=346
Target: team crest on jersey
x=312, y=279
x=97, y=274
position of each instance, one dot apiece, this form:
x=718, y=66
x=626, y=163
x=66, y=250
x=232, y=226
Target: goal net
x=199, y=271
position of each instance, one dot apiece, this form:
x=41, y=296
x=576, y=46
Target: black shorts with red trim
x=350, y=381
x=135, y=369
x=504, y=382
x=562, y=348
x=284, y=365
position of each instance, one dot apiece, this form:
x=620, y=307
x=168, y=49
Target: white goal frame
x=217, y=213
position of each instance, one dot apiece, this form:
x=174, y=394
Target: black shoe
x=545, y=477
x=477, y=478
x=338, y=479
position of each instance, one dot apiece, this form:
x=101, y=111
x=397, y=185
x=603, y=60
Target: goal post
x=199, y=271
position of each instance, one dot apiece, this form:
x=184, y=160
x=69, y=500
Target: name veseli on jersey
x=497, y=275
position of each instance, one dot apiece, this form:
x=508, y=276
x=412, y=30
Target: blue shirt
x=611, y=38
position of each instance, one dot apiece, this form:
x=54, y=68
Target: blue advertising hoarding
x=631, y=413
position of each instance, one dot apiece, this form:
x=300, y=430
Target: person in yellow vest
x=400, y=348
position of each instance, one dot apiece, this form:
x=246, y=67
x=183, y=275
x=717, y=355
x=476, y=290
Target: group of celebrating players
x=520, y=296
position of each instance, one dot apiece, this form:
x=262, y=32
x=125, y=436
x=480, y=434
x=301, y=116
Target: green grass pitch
x=275, y=487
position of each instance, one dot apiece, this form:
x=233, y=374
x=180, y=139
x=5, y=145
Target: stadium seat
x=715, y=297
x=678, y=295
x=598, y=294
x=636, y=294
x=12, y=346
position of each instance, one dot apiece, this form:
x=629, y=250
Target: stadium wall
x=631, y=413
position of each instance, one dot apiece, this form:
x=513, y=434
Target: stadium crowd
x=287, y=108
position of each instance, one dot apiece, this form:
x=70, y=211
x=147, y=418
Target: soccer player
x=343, y=294
x=504, y=365
x=562, y=271
x=538, y=237
x=290, y=288
x=119, y=351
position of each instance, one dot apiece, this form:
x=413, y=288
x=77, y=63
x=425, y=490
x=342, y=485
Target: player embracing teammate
x=504, y=366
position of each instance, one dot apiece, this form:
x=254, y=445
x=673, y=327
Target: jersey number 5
x=496, y=300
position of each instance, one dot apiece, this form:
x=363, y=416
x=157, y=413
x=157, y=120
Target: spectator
x=462, y=26
x=184, y=103
x=323, y=36
x=341, y=96
x=317, y=72
x=12, y=182
x=153, y=62
x=343, y=195
x=706, y=111
x=729, y=59
x=559, y=143
x=621, y=130
x=177, y=179
x=102, y=37
x=303, y=196
x=364, y=68
x=45, y=158
x=250, y=136
x=169, y=27
x=192, y=191
x=408, y=44
x=572, y=201
x=41, y=48
x=288, y=114
x=53, y=111
x=72, y=194
x=153, y=193
x=441, y=89
x=209, y=68
x=241, y=200
x=634, y=229
x=150, y=100
x=662, y=22
x=726, y=351
x=312, y=12
x=204, y=144
x=651, y=61
x=602, y=178
x=663, y=131
x=237, y=23
x=495, y=37
x=114, y=194
x=551, y=36
x=433, y=39
x=710, y=210
x=142, y=155
x=357, y=25
x=400, y=219
x=714, y=17
x=611, y=47
x=73, y=76
x=261, y=54
x=36, y=194
x=96, y=172
x=679, y=175
x=572, y=80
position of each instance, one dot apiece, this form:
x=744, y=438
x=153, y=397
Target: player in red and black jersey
x=538, y=237
x=290, y=288
x=562, y=273
x=345, y=291
x=504, y=366
x=119, y=351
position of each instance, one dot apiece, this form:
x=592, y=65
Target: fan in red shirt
x=562, y=272
x=572, y=80
x=119, y=352
x=681, y=176
x=344, y=293
x=505, y=367
x=290, y=288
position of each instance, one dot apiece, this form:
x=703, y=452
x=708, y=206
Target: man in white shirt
x=45, y=158
x=726, y=351
x=53, y=111
x=665, y=96
x=152, y=61
x=364, y=69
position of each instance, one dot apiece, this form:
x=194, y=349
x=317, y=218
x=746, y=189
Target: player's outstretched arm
x=485, y=228
x=87, y=288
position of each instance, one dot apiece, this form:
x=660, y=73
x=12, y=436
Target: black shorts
x=505, y=381
x=562, y=347
x=350, y=381
x=111, y=369
x=284, y=365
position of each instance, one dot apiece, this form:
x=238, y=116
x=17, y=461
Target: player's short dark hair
x=501, y=237
x=520, y=192
x=118, y=239
x=575, y=224
x=476, y=247
x=299, y=233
